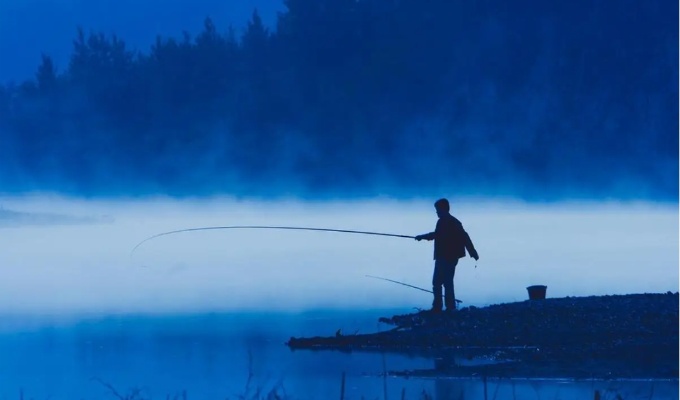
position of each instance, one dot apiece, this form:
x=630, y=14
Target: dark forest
x=540, y=100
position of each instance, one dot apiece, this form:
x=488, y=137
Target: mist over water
x=576, y=249
x=106, y=107
x=204, y=312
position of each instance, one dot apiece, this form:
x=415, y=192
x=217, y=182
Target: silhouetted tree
x=46, y=75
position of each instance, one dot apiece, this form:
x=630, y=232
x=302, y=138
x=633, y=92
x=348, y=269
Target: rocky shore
x=620, y=336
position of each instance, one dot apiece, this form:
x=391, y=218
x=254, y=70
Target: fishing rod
x=405, y=284
x=297, y=228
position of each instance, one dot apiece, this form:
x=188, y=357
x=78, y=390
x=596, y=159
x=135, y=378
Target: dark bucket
x=537, y=292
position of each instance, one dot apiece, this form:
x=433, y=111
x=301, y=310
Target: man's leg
x=437, y=282
x=449, y=294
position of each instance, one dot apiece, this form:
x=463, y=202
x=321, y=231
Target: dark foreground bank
x=623, y=336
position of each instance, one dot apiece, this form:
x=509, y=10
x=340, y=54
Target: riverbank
x=621, y=336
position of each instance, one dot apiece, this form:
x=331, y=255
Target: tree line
x=363, y=97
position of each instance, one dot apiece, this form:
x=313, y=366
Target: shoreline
x=608, y=337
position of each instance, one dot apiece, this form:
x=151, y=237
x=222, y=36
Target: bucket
x=537, y=292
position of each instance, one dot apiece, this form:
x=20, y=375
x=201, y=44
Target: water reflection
x=457, y=375
x=449, y=389
x=214, y=357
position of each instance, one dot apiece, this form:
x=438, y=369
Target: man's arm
x=427, y=236
x=470, y=247
x=431, y=235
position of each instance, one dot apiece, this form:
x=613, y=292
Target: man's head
x=442, y=207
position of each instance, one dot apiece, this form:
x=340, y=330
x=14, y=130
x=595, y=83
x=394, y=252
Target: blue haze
x=578, y=249
x=551, y=126
x=338, y=99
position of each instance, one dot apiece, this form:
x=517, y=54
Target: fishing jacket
x=450, y=239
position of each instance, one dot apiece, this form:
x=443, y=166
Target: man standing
x=450, y=242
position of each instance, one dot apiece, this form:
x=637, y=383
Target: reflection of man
x=450, y=242
x=448, y=389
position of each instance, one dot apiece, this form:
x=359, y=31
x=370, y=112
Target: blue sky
x=31, y=27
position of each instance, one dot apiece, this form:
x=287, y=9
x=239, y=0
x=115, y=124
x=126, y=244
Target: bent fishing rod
x=296, y=228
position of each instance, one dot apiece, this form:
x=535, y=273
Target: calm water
x=210, y=356
x=218, y=284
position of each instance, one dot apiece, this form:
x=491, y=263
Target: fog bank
x=574, y=249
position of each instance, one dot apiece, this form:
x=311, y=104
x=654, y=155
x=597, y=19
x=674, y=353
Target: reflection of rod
x=297, y=228
x=405, y=284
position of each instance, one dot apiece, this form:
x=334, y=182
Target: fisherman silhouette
x=450, y=242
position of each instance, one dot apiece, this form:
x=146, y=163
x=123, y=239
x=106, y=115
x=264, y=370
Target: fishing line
x=296, y=228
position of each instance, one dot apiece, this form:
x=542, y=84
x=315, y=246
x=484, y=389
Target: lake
x=210, y=356
x=202, y=312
